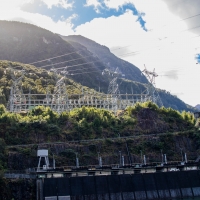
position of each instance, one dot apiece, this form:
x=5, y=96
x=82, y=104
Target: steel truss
x=30, y=101
x=152, y=93
x=60, y=101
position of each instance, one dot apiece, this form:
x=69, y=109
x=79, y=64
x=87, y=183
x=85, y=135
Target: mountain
x=111, y=61
x=197, y=107
x=26, y=43
x=84, y=58
x=131, y=72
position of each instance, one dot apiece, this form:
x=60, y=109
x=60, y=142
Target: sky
x=160, y=34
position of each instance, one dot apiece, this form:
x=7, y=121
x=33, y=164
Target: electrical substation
x=60, y=100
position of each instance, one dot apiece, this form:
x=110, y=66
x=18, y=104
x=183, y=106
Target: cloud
x=18, y=3
x=112, y=30
x=166, y=46
x=185, y=10
x=95, y=3
x=58, y=3
x=69, y=19
x=9, y=4
x=111, y=4
x=171, y=74
x=63, y=27
x=116, y=4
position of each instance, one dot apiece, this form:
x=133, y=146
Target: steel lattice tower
x=59, y=102
x=17, y=100
x=113, y=88
x=152, y=93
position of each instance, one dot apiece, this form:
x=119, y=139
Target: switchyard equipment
x=113, y=88
x=61, y=101
x=59, y=97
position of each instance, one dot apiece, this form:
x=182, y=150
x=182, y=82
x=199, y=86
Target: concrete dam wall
x=162, y=185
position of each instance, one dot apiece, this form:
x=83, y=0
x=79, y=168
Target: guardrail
x=105, y=169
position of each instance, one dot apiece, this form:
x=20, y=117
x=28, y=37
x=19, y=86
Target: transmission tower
x=152, y=93
x=17, y=101
x=59, y=102
x=113, y=88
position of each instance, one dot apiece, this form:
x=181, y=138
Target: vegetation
x=42, y=124
x=133, y=126
x=35, y=80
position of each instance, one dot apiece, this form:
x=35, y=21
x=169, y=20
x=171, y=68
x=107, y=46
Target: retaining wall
x=162, y=185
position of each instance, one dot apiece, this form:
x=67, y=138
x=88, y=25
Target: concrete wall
x=163, y=185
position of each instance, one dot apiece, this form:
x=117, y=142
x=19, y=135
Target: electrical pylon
x=59, y=102
x=152, y=93
x=17, y=100
x=113, y=88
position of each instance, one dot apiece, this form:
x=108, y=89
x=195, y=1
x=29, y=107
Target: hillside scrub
x=42, y=124
x=144, y=127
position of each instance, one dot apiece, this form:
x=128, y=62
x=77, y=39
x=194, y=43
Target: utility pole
x=141, y=157
x=120, y=158
x=77, y=161
x=99, y=159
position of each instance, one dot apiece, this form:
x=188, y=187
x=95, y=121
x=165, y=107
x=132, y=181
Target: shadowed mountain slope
x=130, y=71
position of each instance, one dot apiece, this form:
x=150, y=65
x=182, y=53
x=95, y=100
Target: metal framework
x=113, y=88
x=74, y=101
x=152, y=93
x=17, y=98
x=59, y=97
x=60, y=101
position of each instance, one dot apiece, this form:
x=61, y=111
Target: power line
x=137, y=52
x=87, y=72
x=153, y=47
x=79, y=64
x=130, y=53
x=54, y=57
x=111, y=49
x=81, y=69
x=127, y=54
x=115, y=48
x=184, y=19
x=180, y=20
x=64, y=61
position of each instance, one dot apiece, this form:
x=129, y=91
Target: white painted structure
x=43, y=153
